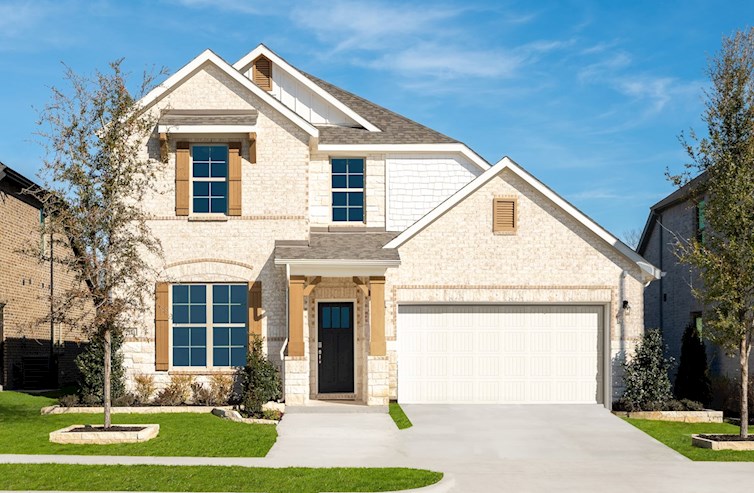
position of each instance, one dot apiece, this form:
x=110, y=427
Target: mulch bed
x=728, y=438
x=101, y=429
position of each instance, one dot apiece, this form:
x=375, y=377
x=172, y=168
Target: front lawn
x=24, y=431
x=209, y=478
x=678, y=437
x=399, y=417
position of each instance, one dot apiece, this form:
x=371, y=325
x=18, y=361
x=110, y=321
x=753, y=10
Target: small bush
x=91, y=400
x=221, y=388
x=692, y=405
x=726, y=394
x=669, y=405
x=646, y=374
x=91, y=364
x=71, y=400
x=177, y=393
x=692, y=381
x=144, y=389
x=260, y=380
x=126, y=400
x=200, y=395
x=272, y=414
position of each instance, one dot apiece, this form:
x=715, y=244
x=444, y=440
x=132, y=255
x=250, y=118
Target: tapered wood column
x=377, y=316
x=296, y=315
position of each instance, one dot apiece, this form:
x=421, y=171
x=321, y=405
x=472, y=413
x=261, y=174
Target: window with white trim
x=348, y=189
x=209, y=179
x=209, y=325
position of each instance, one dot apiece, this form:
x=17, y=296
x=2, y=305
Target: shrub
x=646, y=375
x=71, y=400
x=178, y=392
x=273, y=414
x=260, y=380
x=221, y=388
x=126, y=400
x=145, y=387
x=692, y=381
x=91, y=364
x=726, y=394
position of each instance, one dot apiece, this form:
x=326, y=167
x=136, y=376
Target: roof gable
x=650, y=271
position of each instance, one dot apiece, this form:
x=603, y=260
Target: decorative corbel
x=312, y=284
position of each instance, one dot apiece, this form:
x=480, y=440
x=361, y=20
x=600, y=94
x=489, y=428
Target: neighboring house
x=378, y=258
x=34, y=353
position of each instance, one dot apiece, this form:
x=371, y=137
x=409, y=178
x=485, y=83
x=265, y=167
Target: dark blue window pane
x=220, y=293
x=356, y=214
x=220, y=314
x=218, y=153
x=200, y=153
x=345, y=317
x=356, y=166
x=339, y=198
x=198, y=314
x=201, y=189
x=356, y=181
x=339, y=214
x=238, y=336
x=180, y=357
x=198, y=336
x=219, y=189
x=180, y=293
x=335, y=317
x=180, y=336
x=219, y=170
x=218, y=205
x=339, y=181
x=355, y=198
x=201, y=170
x=180, y=314
x=201, y=205
x=220, y=337
x=238, y=314
x=220, y=357
x=339, y=165
x=198, y=293
x=325, y=317
x=238, y=294
x=198, y=356
x=237, y=356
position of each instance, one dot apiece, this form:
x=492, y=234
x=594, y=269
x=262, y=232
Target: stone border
x=104, y=437
x=56, y=409
x=700, y=442
x=704, y=416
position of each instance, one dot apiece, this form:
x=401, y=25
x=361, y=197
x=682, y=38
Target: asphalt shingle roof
x=340, y=246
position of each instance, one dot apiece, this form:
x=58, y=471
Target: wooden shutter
x=255, y=308
x=504, y=215
x=234, y=179
x=182, y=173
x=261, y=72
x=161, y=326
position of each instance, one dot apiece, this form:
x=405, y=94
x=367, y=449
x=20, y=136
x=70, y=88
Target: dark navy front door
x=335, y=321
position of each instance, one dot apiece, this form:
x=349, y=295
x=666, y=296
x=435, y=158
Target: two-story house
x=378, y=258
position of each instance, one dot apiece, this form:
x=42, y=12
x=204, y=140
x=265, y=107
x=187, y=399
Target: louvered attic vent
x=261, y=72
x=504, y=215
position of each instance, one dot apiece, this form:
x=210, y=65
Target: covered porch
x=336, y=317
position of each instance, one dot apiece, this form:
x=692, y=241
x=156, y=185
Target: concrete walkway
x=482, y=448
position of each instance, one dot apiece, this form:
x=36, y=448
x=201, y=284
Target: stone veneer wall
x=550, y=259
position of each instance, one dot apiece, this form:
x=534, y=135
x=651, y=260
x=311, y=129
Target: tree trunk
x=744, y=362
x=108, y=364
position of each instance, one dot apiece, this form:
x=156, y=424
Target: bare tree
x=631, y=237
x=95, y=176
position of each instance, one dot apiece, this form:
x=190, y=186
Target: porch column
x=377, y=316
x=296, y=316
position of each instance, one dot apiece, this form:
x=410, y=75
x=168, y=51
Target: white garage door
x=499, y=354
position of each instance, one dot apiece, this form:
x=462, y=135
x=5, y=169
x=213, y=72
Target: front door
x=335, y=322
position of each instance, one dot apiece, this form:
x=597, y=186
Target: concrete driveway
x=542, y=448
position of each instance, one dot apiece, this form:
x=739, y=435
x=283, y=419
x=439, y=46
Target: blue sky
x=588, y=96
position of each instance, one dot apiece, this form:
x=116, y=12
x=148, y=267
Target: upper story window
x=701, y=224
x=348, y=189
x=209, y=177
x=209, y=325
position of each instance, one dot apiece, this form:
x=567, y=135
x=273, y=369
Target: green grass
x=210, y=478
x=400, y=418
x=678, y=437
x=24, y=431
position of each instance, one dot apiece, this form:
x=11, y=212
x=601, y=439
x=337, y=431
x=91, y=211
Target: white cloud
x=241, y=6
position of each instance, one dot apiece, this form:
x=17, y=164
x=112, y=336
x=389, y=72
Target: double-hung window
x=701, y=224
x=348, y=190
x=209, y=325
x=209, y=179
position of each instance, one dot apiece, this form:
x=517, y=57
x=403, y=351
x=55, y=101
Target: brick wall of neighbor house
x=240, y=249
x=24, y=296
x=551, y=258
x=418, y=183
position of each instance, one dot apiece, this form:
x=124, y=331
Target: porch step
x=334, y=407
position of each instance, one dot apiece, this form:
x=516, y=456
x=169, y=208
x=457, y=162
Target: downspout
x=285, y=342
x=662, y=291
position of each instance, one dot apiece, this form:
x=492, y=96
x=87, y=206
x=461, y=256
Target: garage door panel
x=499, y=353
